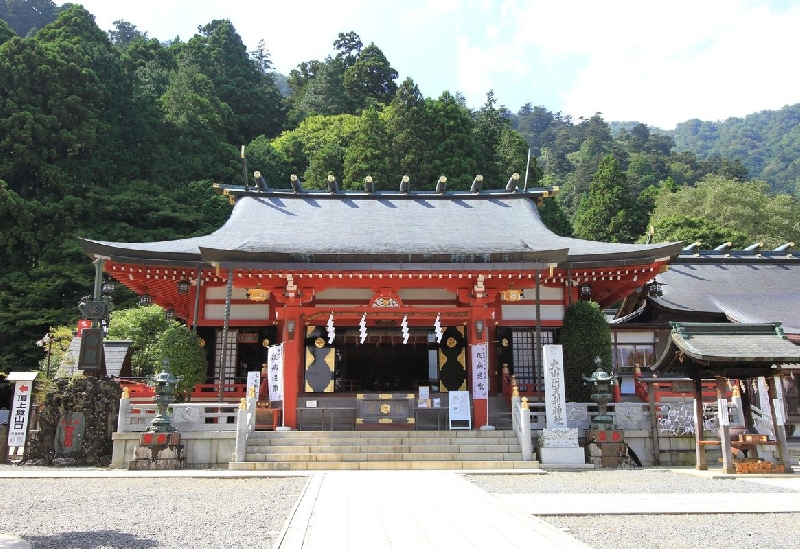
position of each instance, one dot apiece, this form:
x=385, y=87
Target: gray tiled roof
x=362, y=228
x=114, y=353
x=754, y=291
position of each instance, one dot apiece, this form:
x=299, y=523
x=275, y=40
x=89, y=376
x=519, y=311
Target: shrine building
x=378, y=291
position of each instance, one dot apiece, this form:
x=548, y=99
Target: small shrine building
x=381, y=291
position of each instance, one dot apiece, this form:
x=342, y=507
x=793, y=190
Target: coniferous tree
x=607, y=212
x=368, y=154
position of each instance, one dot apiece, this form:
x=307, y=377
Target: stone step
x=400, y=448
x=300, y=450
x=528, y=466
x=385, y=457
x=384, y=434
x=356, y=441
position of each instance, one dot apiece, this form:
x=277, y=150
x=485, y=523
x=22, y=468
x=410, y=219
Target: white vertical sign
x=722, y=407
x=480, y=371
x=275, y=372
x=554, y=396
x=763, y=396
x=18, y=422
x=254, y=381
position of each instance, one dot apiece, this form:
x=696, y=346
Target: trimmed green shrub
x=585, y=336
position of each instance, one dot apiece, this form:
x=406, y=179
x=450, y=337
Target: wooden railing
x=139, y=391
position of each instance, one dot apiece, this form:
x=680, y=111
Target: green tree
x=585, y=336
x=199, y=122
x=144, y=326
x=263, y=156
x=125, y=34
x=594, y=142
x=406, y=125
x=555, y=217
x=607, y=212
x=689, y=229
x=487, y=131
x=244, y=84
x=26, y=17
x=370, y=79
x=735, y=208
x=6, y=33
x=47, y=147
x=57, y=360
x=187, y=358
x=369, y=153
x=451, y=148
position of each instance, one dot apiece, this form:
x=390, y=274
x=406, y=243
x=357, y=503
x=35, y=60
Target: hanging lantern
x=512, y=294
x=257, y=294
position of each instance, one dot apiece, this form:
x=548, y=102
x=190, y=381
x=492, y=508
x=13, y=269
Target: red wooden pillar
x=292, y=364
x=478, y=331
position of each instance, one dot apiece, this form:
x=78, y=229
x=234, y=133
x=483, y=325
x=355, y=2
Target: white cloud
x=660, y=63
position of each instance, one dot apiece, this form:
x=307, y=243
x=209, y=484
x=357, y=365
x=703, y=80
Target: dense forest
x=113, y=135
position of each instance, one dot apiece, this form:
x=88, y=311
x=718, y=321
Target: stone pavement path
x=410, y=509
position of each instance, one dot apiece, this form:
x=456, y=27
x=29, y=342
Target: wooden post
x=779, y=430
x=651, y=398
x=700, y=453
x=724, y=427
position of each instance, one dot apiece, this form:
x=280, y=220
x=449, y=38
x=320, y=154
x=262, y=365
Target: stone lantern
x=164, y=384
x=605, y=445
x=602, y=393
x=160, y=445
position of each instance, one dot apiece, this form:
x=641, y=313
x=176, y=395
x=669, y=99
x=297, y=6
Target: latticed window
x=527, y=361
x=229, y=360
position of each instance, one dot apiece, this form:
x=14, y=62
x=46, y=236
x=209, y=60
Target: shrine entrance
x=385, y=366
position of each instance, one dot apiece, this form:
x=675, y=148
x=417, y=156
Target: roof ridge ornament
x=511, y=186
x=296, y=186
x=476, y=184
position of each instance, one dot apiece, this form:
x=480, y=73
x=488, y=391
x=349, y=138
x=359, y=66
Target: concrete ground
x=441, y=509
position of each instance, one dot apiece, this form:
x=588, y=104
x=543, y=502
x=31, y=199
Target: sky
x=659, y=63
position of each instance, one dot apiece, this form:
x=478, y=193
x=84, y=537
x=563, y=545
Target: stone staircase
x=328, y=450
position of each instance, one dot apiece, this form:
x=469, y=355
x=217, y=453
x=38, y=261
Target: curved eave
x=616, y=255
x=142, y=253
x=415, y=261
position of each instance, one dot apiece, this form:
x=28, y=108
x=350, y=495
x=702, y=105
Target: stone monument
x=558, y=443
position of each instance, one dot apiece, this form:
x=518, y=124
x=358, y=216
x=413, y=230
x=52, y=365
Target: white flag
x=363, y=327
x=331, y=329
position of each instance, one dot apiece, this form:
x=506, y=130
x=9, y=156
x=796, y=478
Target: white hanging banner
x=480, y=371
x=275, y=372
x=20, y=408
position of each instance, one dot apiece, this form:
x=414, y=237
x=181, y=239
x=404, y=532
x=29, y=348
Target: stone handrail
x=185, y=417
x=245, y=425
x=627, y=415
x=521, y=423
